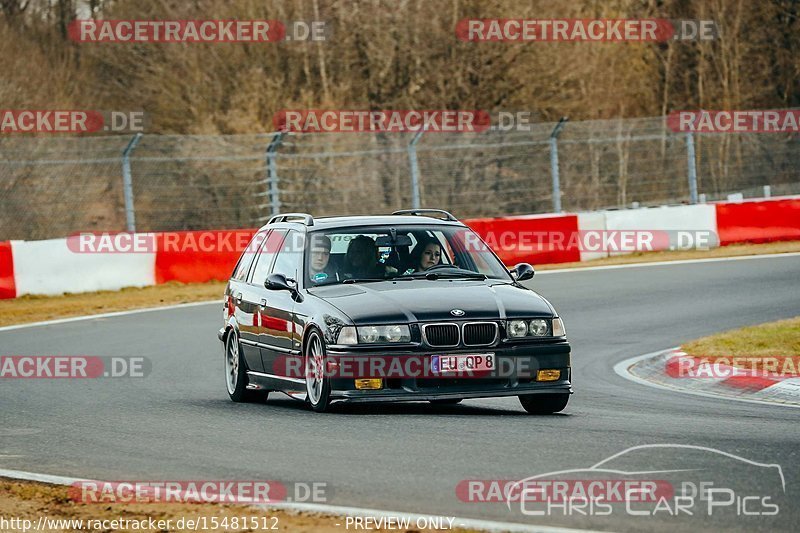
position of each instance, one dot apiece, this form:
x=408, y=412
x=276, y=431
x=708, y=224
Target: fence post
x=554, y=164
x=412, y=159
x=692, y=166
x=127, y=183
x=272, y=173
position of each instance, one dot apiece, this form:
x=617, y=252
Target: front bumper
x=516, y=372
x=415, y=396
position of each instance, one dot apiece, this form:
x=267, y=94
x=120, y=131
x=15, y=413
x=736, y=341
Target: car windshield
x=376, y=253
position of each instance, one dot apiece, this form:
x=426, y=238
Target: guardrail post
x=554, y=171
x=127, y=183
x=272, y=173
x=692, y=166
x=412, y=160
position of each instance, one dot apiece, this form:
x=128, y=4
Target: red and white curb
x=659, y=369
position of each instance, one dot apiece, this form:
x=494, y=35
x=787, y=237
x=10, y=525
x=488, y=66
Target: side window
x=265, y=256
x=246, y=259
x=291, y=255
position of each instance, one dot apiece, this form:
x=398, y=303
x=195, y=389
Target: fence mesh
x=54, y=186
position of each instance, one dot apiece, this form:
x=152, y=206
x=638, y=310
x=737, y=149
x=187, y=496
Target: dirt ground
x=25, y=500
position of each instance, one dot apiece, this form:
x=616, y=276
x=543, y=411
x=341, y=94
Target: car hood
x=424, y=300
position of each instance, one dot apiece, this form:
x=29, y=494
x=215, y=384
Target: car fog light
x=548, y=375
x=369, y=384
x=517, y=328
x=538, y=327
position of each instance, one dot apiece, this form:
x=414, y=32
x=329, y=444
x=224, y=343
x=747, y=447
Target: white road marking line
x=110, y=315
x=621, y=369
x=336, y=510
x=666, y=263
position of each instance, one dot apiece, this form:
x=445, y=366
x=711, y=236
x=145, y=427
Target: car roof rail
x=426, y=212
x=308, y=220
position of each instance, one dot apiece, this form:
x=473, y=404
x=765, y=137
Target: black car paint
x=274, y=323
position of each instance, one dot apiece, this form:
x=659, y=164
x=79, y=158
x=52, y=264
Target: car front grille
x=450, y=335
x=479, y=333
x=441, y=335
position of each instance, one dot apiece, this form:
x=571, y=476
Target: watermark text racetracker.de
x=585, y=30
x=387, y=120
x=73, y=367
x=196, y=31
x=71, y=121
x=622, y=241
x=214, y=241
x=735, y=121
x=723, y=367
x=198, y=491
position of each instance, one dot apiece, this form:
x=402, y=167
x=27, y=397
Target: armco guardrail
x=52, y=267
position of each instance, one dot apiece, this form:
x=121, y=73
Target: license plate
x=441, y=364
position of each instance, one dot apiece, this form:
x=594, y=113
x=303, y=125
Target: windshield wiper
x=363, y=280
x=454, y=273
x=446, y=275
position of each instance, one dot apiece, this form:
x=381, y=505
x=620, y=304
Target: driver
x=425, y=255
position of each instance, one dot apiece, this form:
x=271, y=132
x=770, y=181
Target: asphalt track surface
x=178, y=423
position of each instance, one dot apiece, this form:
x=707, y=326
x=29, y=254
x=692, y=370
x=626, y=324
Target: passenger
x=320, y=270
x=361, y=259
x=426, y=254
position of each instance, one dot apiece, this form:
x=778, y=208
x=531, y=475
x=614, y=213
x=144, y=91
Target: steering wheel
x=440, y=267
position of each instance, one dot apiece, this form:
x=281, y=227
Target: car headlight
x=558, y=328
x=517, y=328
x=538, y=327
x=384, y=334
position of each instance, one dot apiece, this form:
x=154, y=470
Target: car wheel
x=544, y=404
x=236, y=373
x=451, y=401
x=318, y=386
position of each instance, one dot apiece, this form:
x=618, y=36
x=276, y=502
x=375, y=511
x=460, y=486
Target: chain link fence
x=52, y=186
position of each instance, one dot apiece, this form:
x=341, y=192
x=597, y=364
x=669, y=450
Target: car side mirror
x=522, y=272
x=279, y=282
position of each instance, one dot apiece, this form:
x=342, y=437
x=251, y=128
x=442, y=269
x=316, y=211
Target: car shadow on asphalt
x=404, y=408
x=281, y=403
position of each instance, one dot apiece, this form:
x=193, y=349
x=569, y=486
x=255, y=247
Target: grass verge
x=37, y=308
x=774, y=346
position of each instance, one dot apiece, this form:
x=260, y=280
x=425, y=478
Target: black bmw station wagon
x=406, y=307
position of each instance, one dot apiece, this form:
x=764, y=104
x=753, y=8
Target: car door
x=236, y=306
x=277, y=316
x=250, y=299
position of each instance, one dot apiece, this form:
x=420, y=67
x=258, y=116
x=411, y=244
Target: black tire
x=451, y=401
x=236, y=373
x=318, y=385
x=544, y=404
